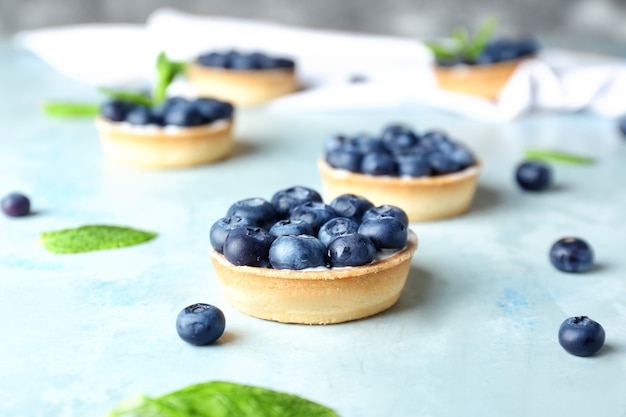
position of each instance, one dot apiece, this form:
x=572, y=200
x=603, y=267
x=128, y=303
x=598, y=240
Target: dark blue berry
x=364, y=144
x=336, y=227
x=290, y=227
x=221, y=228
x=213, y=59
x=379, y=163
x=386, y=211
x=334, y=142
x=183, y=114
x=351, y=206
x=212, y=109
x=533, y=175
x=244, y=62
x=462, y=156
x=248, y=245
x=385, y=232
x=258, y=211
x=351, y=250
x=399, y=139
x=315, y=213
x=15, y=205
x=115, y=110
x=285, y=200
x=581, y=336
x=571, y=254
x=441, y=163
x=414, y=165
x=284, y=63
x=345, y=159
x=622, y=126
x=297, y=252
x=142, y=115
x=200, y=324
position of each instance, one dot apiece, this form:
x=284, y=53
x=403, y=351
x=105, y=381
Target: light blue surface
x=474, y=333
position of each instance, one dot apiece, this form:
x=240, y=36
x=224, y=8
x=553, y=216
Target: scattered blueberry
x=285, y=200
x=258, y=211
x=200, y=324
x=533, y=175
x=571, y=254
x=351, y=206
x=336, y=227
x=351, y=250
x=248, y=245
x=297, y=252
x=385, y=232
x=221, y=228
x=15, y=205
x=581, y=336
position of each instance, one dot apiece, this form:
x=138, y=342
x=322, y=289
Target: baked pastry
x=316, y=265
x=242, y=79
x=178, y=133
x=429, y=176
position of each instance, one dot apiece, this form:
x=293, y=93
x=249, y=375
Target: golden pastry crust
x=319, y=296
x=165, y=147
x=423, y=198
x=242, y=87
x=478, y=80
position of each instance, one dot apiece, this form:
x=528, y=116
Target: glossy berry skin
x=115, y=110
x=221, y=228
x=351, y=250
x=258, y=211
x=248, y=245
x=347, y=159
x=571, y=254
x=351, y=206
x=297, y=252
x=285, y=200
x=379, y=163
x=212, y=109
x=200, y=324
x=581, y=336
x=336, y=227
x=533, y=175
x=386, y=210
x=290, y=227
x=142, y=115
x=414, y=165
x=315, y=213
x=385, y=232
x=184, y=115
x=15, y=205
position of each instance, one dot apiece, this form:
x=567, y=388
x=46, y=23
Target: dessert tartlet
x=315, y=265
x=179, y=133
x=429, y=176
x=242, y=79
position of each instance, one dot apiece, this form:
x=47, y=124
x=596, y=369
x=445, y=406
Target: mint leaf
x=481, y=38
x=70, y=109
x=441, y=52
x=166, y=72
x=93, y=237
x=222, y=399
x=129, y=96
x=558, y=156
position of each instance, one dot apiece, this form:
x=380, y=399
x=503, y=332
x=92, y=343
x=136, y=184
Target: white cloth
x=397, y=71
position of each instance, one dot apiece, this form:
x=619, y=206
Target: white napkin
x=394, y=71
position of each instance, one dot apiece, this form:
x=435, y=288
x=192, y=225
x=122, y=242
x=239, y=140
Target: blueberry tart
x=243, y=79
x=429, y=175
x=296, y=259
x=176, y=133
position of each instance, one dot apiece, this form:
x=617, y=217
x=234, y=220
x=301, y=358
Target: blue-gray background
x=573, y=22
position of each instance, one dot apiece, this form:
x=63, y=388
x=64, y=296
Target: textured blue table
x=474, y=333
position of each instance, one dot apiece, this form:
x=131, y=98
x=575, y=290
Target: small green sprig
x=461, y=44
x=167, y=71
x=556, y=156
x=64, y=109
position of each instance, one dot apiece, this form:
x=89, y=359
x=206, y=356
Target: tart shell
x=169, y=147
x=424, y=198
x=242, y=87
x=317, y=296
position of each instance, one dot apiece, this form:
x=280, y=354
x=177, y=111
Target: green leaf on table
x=221, y=399
x=481, y=37
x=128, y=96
x=93, y=237
x=166, y=72
x=557, y=156
x=70, y=109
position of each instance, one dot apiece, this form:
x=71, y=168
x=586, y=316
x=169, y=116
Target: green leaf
x=166, y=72
x=222, y=399
x=558, y=156
x=93, y=237
x=70, y=109
x=441, y=52
x=129, y=96
x=481, y=38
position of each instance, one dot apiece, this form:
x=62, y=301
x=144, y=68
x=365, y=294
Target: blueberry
x=336, y=227
x=365, y=144
x=414, y=165
x=115, y=110
x=141, y=115
x=385, y=232
x=285, y=200
x=462, y=156
x=212, y=109
x=347, y=159
x=248, y=245
x=571, y=254
x=258, y=211
x=285, y=63
x=399, y=138
x=622, y=126
x=441, y=163
x=15, y=205
x=379, y=163
x=533, y=175
x=315, y=213
x=200, y=324
x=221, y=228
x=297, y=252
x=386, y=210
x=290, y=227
x=433, y=140
x=334, y=142
x=183, y=114
x=581, y=336
x=213, y=59
x=351, y=250
x=351, y=206
x=244, y=62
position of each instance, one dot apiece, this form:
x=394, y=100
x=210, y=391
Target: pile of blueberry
x=498, y=50
x=398, y=152
x=241, y=61
x=297, y=230
x=175, y=111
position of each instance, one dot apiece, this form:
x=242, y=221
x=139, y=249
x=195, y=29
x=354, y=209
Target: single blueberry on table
x=248, y=245
x=285, y=200
x=351, y=250
x=385, y=232
x=533, y=175
x=379, y=163
x=290, y=227
x=297, y=252
x=221, y=228
x=336, y=227
x=386, y=210
x=258, y=211
x=351, y=206
x=315, y=213
x=200, y=324
x=571, y=254
x=15, y=204
x=581, y=336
